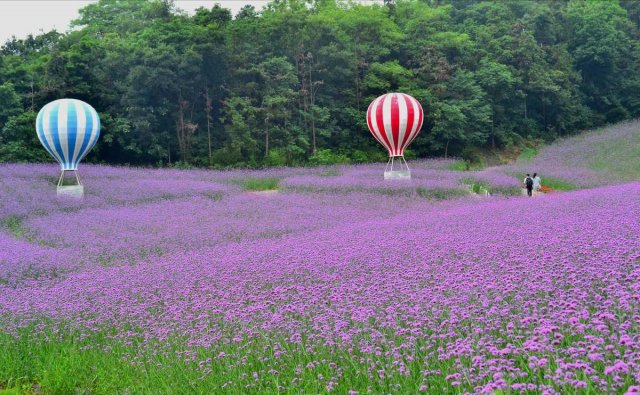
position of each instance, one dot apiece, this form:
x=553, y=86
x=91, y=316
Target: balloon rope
x=405, y=163
x=62, y=174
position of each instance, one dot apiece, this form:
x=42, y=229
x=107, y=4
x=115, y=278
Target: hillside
x=599, y=157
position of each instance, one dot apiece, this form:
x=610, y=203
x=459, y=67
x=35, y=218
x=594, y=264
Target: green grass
x=260, y=184
x=527, y=154
x=67, y=363
x=466, y=166
x=438, y=194
x=458, y=166
x=618, y=158
x=66, y=366
x=558, y=184
x=330, y=173
x=479, y=188
x=14, y=224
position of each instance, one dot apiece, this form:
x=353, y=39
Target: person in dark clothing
x=528, y=183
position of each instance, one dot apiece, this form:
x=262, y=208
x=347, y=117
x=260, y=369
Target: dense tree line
x=291, y=83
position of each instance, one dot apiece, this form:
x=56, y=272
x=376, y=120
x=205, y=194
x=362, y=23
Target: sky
x=22, y=17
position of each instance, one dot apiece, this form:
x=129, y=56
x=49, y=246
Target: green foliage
x=260, y=184
x=463, y=165
x=276, y=157
x=328, y=157
x=479, y=188
x=458, y=166
x=19, y=141
x=9, y=102
x=291, y=84
x=473, y=158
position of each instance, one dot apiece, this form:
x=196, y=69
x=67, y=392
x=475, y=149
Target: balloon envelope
x=395, y=120
x=68, y=129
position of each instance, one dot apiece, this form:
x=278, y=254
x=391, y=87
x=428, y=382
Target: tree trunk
x=493, y=138
x=300, y=70
x=358, y=63
x=180, y=126
x=32, y=95
x=313, y=132
x=446, y=149
x=357, y=85
x=544, y=112
x=208, y=109
x=312, y=100
x=266, y=139
x=184, y=130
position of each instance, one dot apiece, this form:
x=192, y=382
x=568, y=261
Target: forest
x=290, y=84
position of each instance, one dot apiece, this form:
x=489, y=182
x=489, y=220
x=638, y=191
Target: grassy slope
x=603, y=156
x=619, y=157
x=612, y=151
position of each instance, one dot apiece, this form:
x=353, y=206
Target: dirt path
x=535, y=193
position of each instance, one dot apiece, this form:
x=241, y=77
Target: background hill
x=291, y=84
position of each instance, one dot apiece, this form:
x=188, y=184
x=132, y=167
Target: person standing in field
x=528, y=183
x=537, y=182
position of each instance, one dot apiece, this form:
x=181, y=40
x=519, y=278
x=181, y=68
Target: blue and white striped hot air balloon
x=68, y=129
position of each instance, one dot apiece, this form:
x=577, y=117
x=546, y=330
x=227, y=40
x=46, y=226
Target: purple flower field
x=168, y=281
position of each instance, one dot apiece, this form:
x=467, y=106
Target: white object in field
x=400, y=172
x=74, y=191
x=397, y=175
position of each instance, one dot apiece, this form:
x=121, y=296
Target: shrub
x=328, y=157
x=276, y=158
x=458, y=166
x=261, y=184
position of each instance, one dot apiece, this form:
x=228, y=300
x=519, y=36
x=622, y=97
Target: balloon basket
x=401, y=170
x=73, y=191
x=397, y=175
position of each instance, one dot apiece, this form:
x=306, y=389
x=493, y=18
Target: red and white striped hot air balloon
x=395, y=120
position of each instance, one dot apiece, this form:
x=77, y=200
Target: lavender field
x=333, y=281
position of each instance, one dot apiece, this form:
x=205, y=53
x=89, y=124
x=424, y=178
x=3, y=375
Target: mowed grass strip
x=260, y=184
